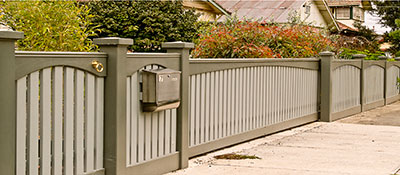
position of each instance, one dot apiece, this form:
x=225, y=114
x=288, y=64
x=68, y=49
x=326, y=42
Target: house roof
x=274, y=10
x=346, y=27
x=343, y=2
x=337, y=3
x=208, y=5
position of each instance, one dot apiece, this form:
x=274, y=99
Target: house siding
x=315, y=16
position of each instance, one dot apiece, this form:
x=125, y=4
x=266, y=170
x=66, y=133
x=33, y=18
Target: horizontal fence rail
x=233, y=101
x=59, y=122
x=29, y=61
x=149, y=135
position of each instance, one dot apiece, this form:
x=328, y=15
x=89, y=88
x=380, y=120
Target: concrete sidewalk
x=317, y=148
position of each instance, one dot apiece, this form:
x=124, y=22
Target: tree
x=389, y=11
x=148, y=23
x=395, y=38
x=49, y=25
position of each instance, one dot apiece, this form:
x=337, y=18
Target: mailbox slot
x=161, y=89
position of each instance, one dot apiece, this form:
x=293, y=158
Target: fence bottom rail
x=238, y=138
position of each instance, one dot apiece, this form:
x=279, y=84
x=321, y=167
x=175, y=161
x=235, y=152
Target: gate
x=59, y=113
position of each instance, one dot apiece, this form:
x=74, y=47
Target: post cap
x=382, y=57
x=359, y=56
x=113, y=41
x=326, y=53
x=12, y=35
x=177, y=45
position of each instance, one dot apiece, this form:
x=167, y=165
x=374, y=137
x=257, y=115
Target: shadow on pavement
x=387, y=115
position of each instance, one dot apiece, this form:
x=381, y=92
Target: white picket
x=79, y=122
x=33, y=123
x=45, y=121
x=21, y=126
x=69, y=120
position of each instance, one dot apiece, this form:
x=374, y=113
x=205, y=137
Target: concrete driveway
x=355, y=145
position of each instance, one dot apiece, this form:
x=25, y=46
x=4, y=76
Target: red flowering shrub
x=244, y=39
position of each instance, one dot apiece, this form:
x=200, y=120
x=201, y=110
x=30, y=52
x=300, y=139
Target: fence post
x=326, y=85
x=8, y=101
x=182, y=121
x=385, y=72
x=115, y=104
x=361, y=58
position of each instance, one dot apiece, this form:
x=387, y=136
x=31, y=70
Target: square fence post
x=8, y=102
x=326, y=85
x=115, y=104
x=361, y=58
x=385, y=95
x=182, y=121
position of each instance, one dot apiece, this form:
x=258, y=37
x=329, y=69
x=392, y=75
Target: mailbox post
x=115, y=104
x=182, y=123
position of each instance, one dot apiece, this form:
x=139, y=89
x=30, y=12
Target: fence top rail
x=392, y=63
x=136, y=61
x=369, y=63
x=153, y=55
x=346, y=62
x=247, y=60
x=29, y=61
x=210, y=65
x=375, y=61
x=35, y=54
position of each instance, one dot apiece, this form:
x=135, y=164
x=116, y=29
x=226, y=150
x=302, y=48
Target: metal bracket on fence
x=98, y=66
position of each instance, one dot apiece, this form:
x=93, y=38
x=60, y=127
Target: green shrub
x=347, y=53
x=364, y=42
x=359, y=43
x=247, y=39
x=49, y=25
x=397, y=54
x=148, y=23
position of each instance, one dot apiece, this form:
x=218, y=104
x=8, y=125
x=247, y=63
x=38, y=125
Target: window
x=308, y=9
x=343, y=13
x=358, y=13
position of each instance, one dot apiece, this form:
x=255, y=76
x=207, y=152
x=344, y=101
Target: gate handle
x=98, y=66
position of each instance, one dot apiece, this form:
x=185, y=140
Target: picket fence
x=61, y=115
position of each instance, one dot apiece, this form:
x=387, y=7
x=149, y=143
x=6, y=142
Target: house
x=347, y=12
x=209, y=9
x=315, y=12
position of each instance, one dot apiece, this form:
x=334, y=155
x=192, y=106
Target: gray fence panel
x=373, y=84
x=392, y=89
x=248, y=98
x=149, y=135
x=345, y=88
